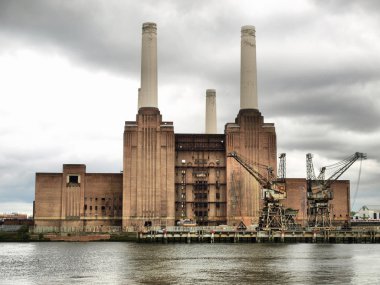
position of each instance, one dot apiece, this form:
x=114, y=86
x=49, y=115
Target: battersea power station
x=169, y=177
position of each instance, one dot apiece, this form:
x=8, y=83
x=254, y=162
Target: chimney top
x=210, y=92
x=149, y=27
x=248, y=30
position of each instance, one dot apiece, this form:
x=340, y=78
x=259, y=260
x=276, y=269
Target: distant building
x=14, y=221
x=370, y=213
x=13, y=216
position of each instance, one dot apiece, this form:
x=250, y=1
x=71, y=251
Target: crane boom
x=339, y=168
x=310, y=174
x=281, y=175
x=273, y=188
x=342, y=167
x=264, y=182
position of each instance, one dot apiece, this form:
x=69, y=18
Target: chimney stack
x=248, y=76
x=211, y=111
x=139, y=99
x=148, y=92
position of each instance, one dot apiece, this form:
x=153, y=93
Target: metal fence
x=83, y=229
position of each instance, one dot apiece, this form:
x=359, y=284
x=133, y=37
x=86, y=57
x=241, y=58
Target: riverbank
x=21, y=235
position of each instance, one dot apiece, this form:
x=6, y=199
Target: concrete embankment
x=233, y=236
x=204, y=235
x=85, y=237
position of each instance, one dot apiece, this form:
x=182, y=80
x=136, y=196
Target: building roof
x=371, y=207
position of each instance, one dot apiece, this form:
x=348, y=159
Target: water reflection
x=129, y=263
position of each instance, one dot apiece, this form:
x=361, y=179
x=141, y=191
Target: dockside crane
x=319, y=193
x=273, y=215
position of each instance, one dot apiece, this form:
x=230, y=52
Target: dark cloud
x=108, y=36
x=332, y=108
x=90, y=33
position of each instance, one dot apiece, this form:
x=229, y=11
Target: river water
x=132, y=263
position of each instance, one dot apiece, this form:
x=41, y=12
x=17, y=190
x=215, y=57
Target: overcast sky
x=69, y=73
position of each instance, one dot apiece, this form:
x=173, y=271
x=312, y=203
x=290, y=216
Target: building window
x=217, y=195
x=96, y=208
x=200, y=195
x=85, y=207
x=200, y=161
x=73, y=180
x=90, y=208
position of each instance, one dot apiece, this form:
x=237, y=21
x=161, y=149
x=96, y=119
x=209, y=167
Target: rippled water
x=131, y=263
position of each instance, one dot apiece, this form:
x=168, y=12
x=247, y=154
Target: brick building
x=168, y=176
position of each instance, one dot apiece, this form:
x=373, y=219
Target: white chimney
x=139, y=99
x=248, y=76
x=211, y=111
x=148, y=91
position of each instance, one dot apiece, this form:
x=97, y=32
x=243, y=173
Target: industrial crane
x=267, y=183
x=319, y=191
x=273, y=215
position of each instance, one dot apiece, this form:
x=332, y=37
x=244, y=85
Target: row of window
x=103, y=208
x=200, y=161
x=200, y=205
x=200, y=196
x=204, y=186
x=201, y=213
x=103, y=199
x=199, y=174
x=197, y=205
x=205, y=205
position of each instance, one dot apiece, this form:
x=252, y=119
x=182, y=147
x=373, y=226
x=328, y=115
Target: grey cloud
x=332, y=108
x=302, y=135
x=344, y=6
x=78, y=28
x=108, y=36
